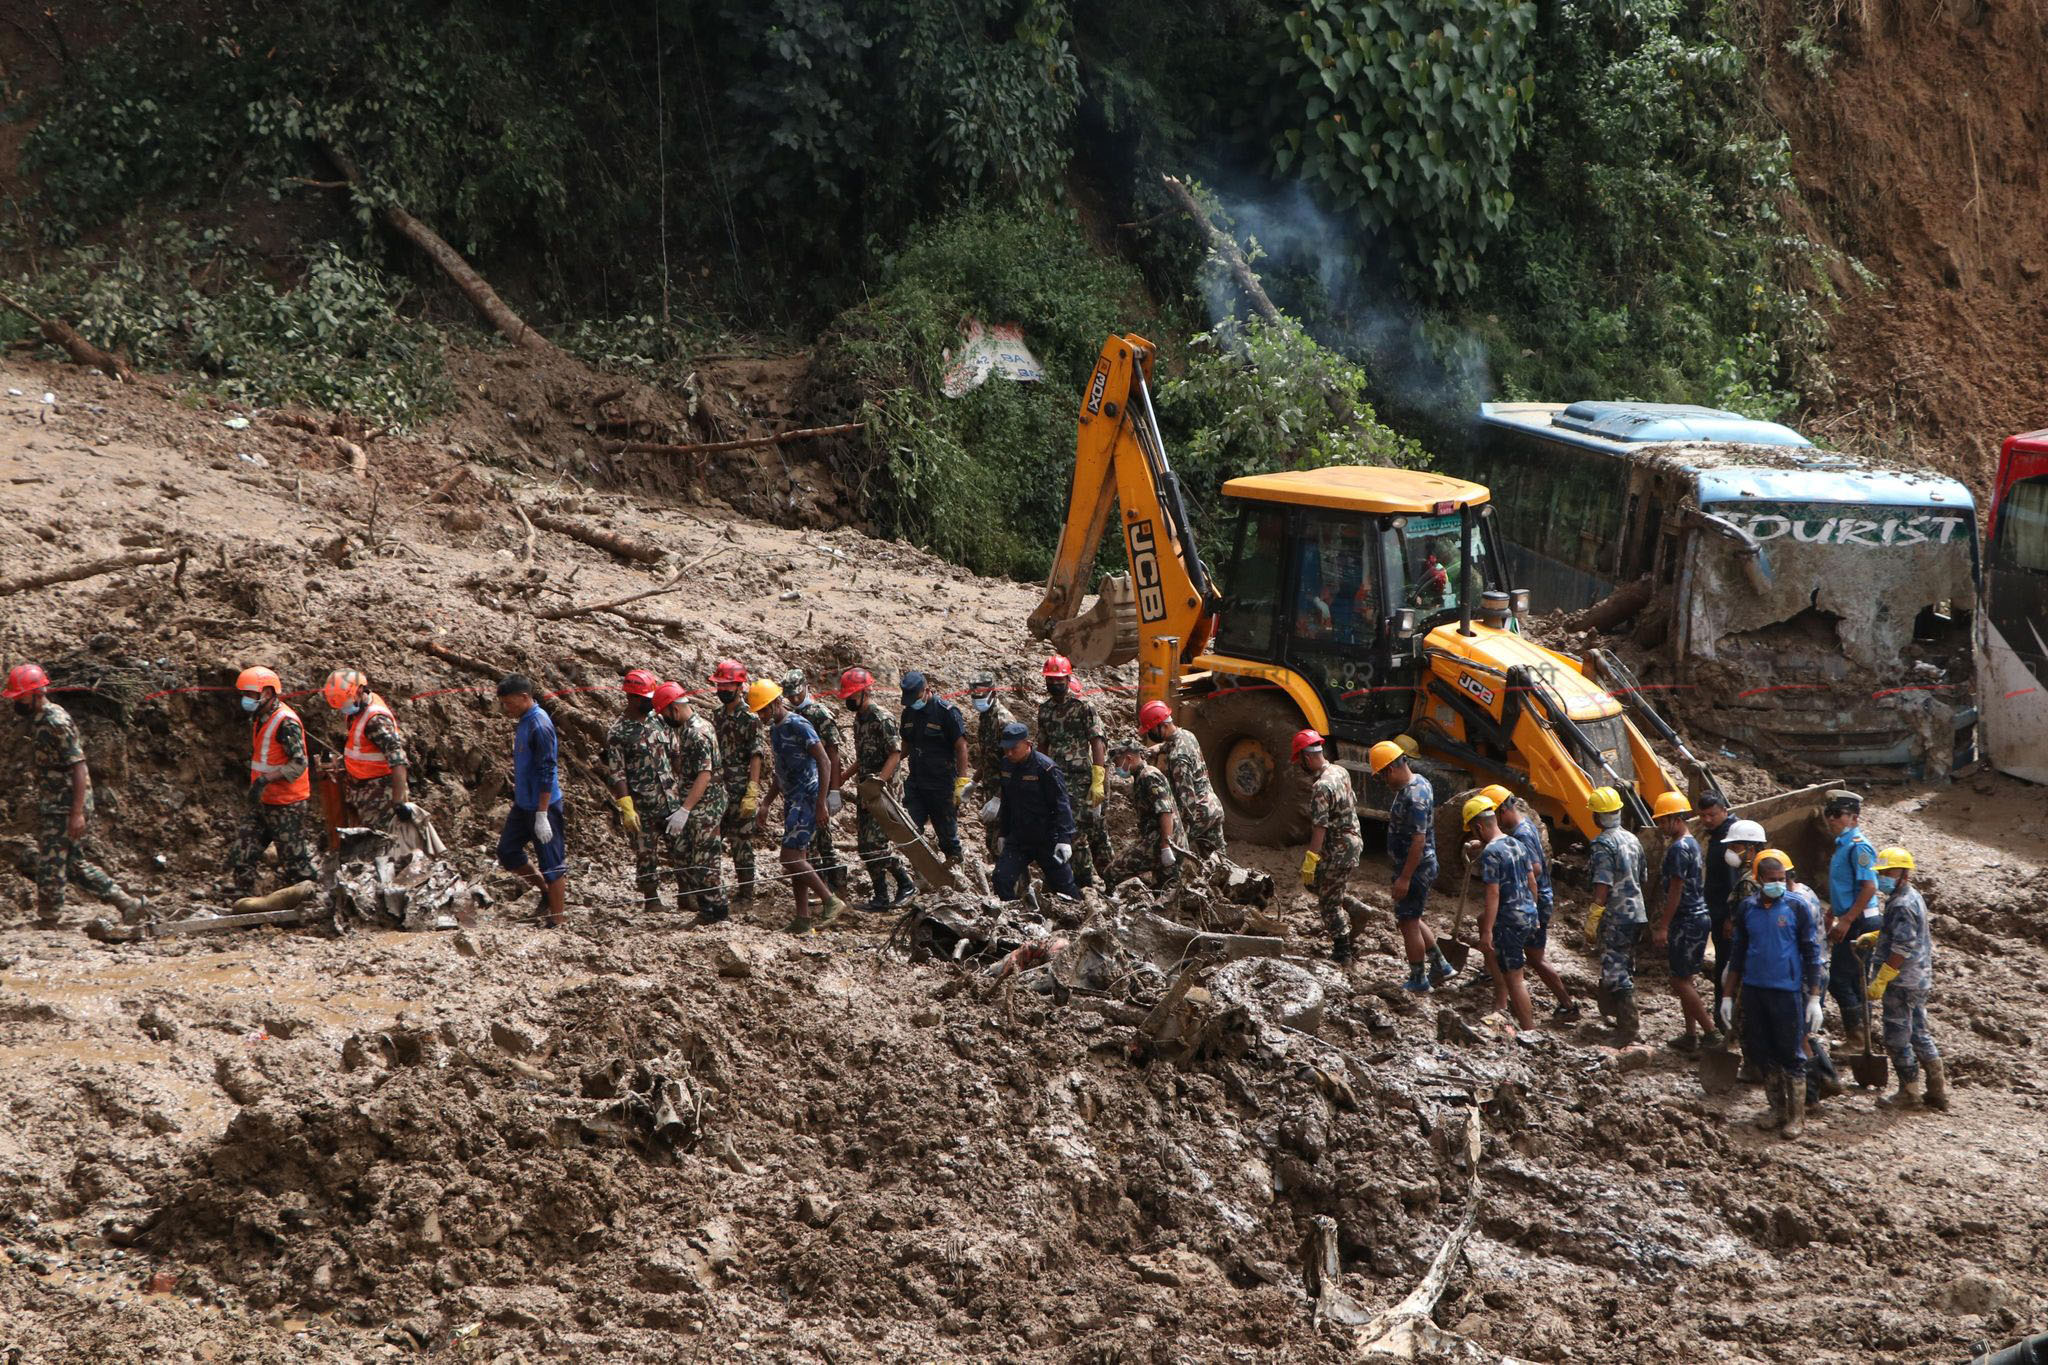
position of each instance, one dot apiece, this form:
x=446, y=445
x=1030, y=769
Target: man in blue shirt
x=537, y=818
x=799, y=758
x=935, y=738
x=1775, y=969
x=1685, y=925
x=1853, y=909
x=1509, y=919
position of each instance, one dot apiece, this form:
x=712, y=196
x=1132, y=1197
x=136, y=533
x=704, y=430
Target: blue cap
x=913, y=685
x=1014, y=731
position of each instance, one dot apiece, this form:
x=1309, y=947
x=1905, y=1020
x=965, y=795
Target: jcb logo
x=1476, y=688
x=1095, y=389
x=1145, y=572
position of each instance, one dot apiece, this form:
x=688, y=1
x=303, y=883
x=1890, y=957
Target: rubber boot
x=881, y=900
x=714, y=912
x=1855, y=1037
x=133, y=908
x=1795, y=1104
x=650, y=904
x=1628, y=1021
x=1748, y=1073
x=1772, y=1118
x=905, y=888
x=1906, y=1097
x=48, y=914
x=1937, y=1084
x=1340, y=949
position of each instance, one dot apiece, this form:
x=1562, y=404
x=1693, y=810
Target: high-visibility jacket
x=268, y=759
x=363, y=759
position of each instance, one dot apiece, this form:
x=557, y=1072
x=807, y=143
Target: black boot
x=1340, y=949
x=881, y=900
x=714, y=912
x=904, y=887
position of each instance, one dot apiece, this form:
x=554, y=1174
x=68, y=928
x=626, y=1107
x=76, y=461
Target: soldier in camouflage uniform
x=1334, y=843
x=877, y=752
x=1153, y=856
x=372, y=765
x=1070, y=733
x=280, y=790
x=63, y=800
x=1180, y=757
x=639, y=766
x=991, y=715
x=700, y=787
x=797, y=692
x=1616, y=871
x=741, y=751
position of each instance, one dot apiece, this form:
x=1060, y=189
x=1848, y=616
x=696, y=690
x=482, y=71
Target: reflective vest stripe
x=363, y=759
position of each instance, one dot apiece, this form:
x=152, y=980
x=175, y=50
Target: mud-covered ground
x=286, y=1146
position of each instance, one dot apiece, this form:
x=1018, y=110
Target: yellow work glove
x=1593, y=924
x=1880, y=981
x=1310, y=861
x=1097, y=777
x=960, y=785
x=628, y=816
x=1868, y=941
x=750, y=804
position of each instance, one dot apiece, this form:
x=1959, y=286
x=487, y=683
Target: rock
x=816, y=1208
x=1635, y=1058
x=925, y=1016
x=1155, y=1270
x=1790, y=1227
x=158, y=1024
x=734, y=963
x=242, y=1082
x=1976, y=1294
x=1450, y=1028
x=466, y=945
x=518, y=1037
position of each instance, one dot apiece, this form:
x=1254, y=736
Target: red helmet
x=853, y=682
x=1059, y=666
x=1304, y=740
x=665, y=695
x=23, y=679
x=729, y=673
x=641, y=683
x=1152, y=715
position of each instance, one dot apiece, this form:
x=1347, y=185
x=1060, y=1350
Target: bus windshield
x=1426, y=565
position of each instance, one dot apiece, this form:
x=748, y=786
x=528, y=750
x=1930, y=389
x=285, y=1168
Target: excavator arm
x=1120, y=458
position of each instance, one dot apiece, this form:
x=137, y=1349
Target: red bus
x=2012, y=649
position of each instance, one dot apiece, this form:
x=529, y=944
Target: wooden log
x=611, y=542
x=1225, y=246
x=680, y=579
x=1616, y=609
x=714, y=447
x=93, y=569
x=60, y=334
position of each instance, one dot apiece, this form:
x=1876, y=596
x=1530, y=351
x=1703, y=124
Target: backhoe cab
x=1364, y=602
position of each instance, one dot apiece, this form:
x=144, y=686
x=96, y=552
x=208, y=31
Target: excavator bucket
x=1107, y=633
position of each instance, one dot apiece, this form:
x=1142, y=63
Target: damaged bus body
x=1806, y=605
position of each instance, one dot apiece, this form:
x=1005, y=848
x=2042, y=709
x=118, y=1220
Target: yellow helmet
x=1497, y=794
x=1604, y=801
x=1383, y=753
x=760, y=692
x=1776, y=855
x=1893, y=858
x=1477, y=806
x=1408, y=745
x=1671, y=803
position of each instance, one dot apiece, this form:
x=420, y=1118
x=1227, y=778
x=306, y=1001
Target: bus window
x=1252, y=600
x=2023, y=528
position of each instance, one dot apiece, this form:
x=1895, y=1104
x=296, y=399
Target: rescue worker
x=1071, y=733
x=1180, y=758
x=63, y=801
x=1334, y=843
x=796, y=690
x=1154, y=855
x=280, y=788
x=1615, y=870
x=740, y=750
x=1411, y=848
x=991, y=717
x=700, y=808
x=1740, y=840
x=1853, y=910
x=800, y=763
x=1037, y=820
x=1775, y=969
x=1823, y=1081
x=372, y=766
x=1508, y=920
x=1519, y=823
x=877, y=752
x=538, y=818
x=639, y=762
x=1903, y=948
x=1723, y=865
x=935, y=738
x=1685, y=925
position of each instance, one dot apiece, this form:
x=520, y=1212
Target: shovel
x=1456, y=951
x=1719, y=1066
x=1871, y=1070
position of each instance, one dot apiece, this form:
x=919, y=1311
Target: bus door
x=2013, y=648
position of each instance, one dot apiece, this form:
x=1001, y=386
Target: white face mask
x=1731, y=857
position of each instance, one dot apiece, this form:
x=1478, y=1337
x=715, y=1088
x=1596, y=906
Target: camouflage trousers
x=693, y=855
x=738, y=831
x=1205, y=833
x=264, y=825
x=1092, y=851
x=1906, y=1035
x=825, y=857
x=370, y=804
x=1142, y=860
x=1339, y=908
x=61, y=856
x=877, y=854
x=1618, y=940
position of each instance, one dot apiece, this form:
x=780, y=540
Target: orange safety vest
x=363, y=759
x=268, y=759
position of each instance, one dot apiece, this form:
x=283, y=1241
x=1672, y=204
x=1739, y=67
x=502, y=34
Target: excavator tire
x=1246, y=737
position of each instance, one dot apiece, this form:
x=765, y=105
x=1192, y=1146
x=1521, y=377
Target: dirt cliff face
x=1919, y=154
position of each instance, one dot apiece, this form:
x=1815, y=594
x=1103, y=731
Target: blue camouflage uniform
x=1529, y=835
x=1906, y=932
x=1505, y=863
x=1615, y=861
x=1854, y=863
x=1690, y=924
x=1776, y=947
x=1412, y=812
x=796, y=772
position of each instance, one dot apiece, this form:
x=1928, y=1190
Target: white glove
x=1813, y=1014
x=1062, y=852
x=1167, y=858
x=543, y=832
x=677, y=821
x=834, y=802
x=1727, y=1011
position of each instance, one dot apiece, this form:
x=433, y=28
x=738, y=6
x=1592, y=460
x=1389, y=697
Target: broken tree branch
x=680, y=579
x=1616, y=609
x=714, y=447
x=564, y=713
x=611, y=542
x=94, y=569
x=1225, y=246
x=474, y=286
x=60, y=334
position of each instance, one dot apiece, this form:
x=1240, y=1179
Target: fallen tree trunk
x=714, y=447
x=474, y=286
x=679, y=580
x=1616, y=609
x=60, y=334
x=1225, y=246
x=93, y=569
x=611, y=542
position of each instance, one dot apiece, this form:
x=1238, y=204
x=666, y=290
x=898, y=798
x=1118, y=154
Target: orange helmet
x=1152, y=715
x=854, y=681
x=344, y=685
x=667, y=695
x=729, y=673
x=23, y=679
x=1059, y=666
x=641, y=683
x=1304, y=740
x=256, y=679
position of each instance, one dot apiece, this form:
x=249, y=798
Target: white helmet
x=1745, y=832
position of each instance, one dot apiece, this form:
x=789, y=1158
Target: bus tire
x=1247, y=739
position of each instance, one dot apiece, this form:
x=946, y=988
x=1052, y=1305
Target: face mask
x=854, y=704
x=251, y=703
x=917, y=705
x=1732, y=858
x=353, y=708
x=1056, y=688
x=983, y=703
x=24, y=708
x=1773, y=890
x=1887, y=884
x=726, y=697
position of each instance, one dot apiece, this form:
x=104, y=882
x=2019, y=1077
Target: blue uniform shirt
x=1683, y=861
x=1530, y=836
x=1505, y=864
x=930, y=734
x=1854, y=861
x=1412, y=812
x=1777, y=942
x=796, y=771
x=1036, y=811
x=534, y=760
